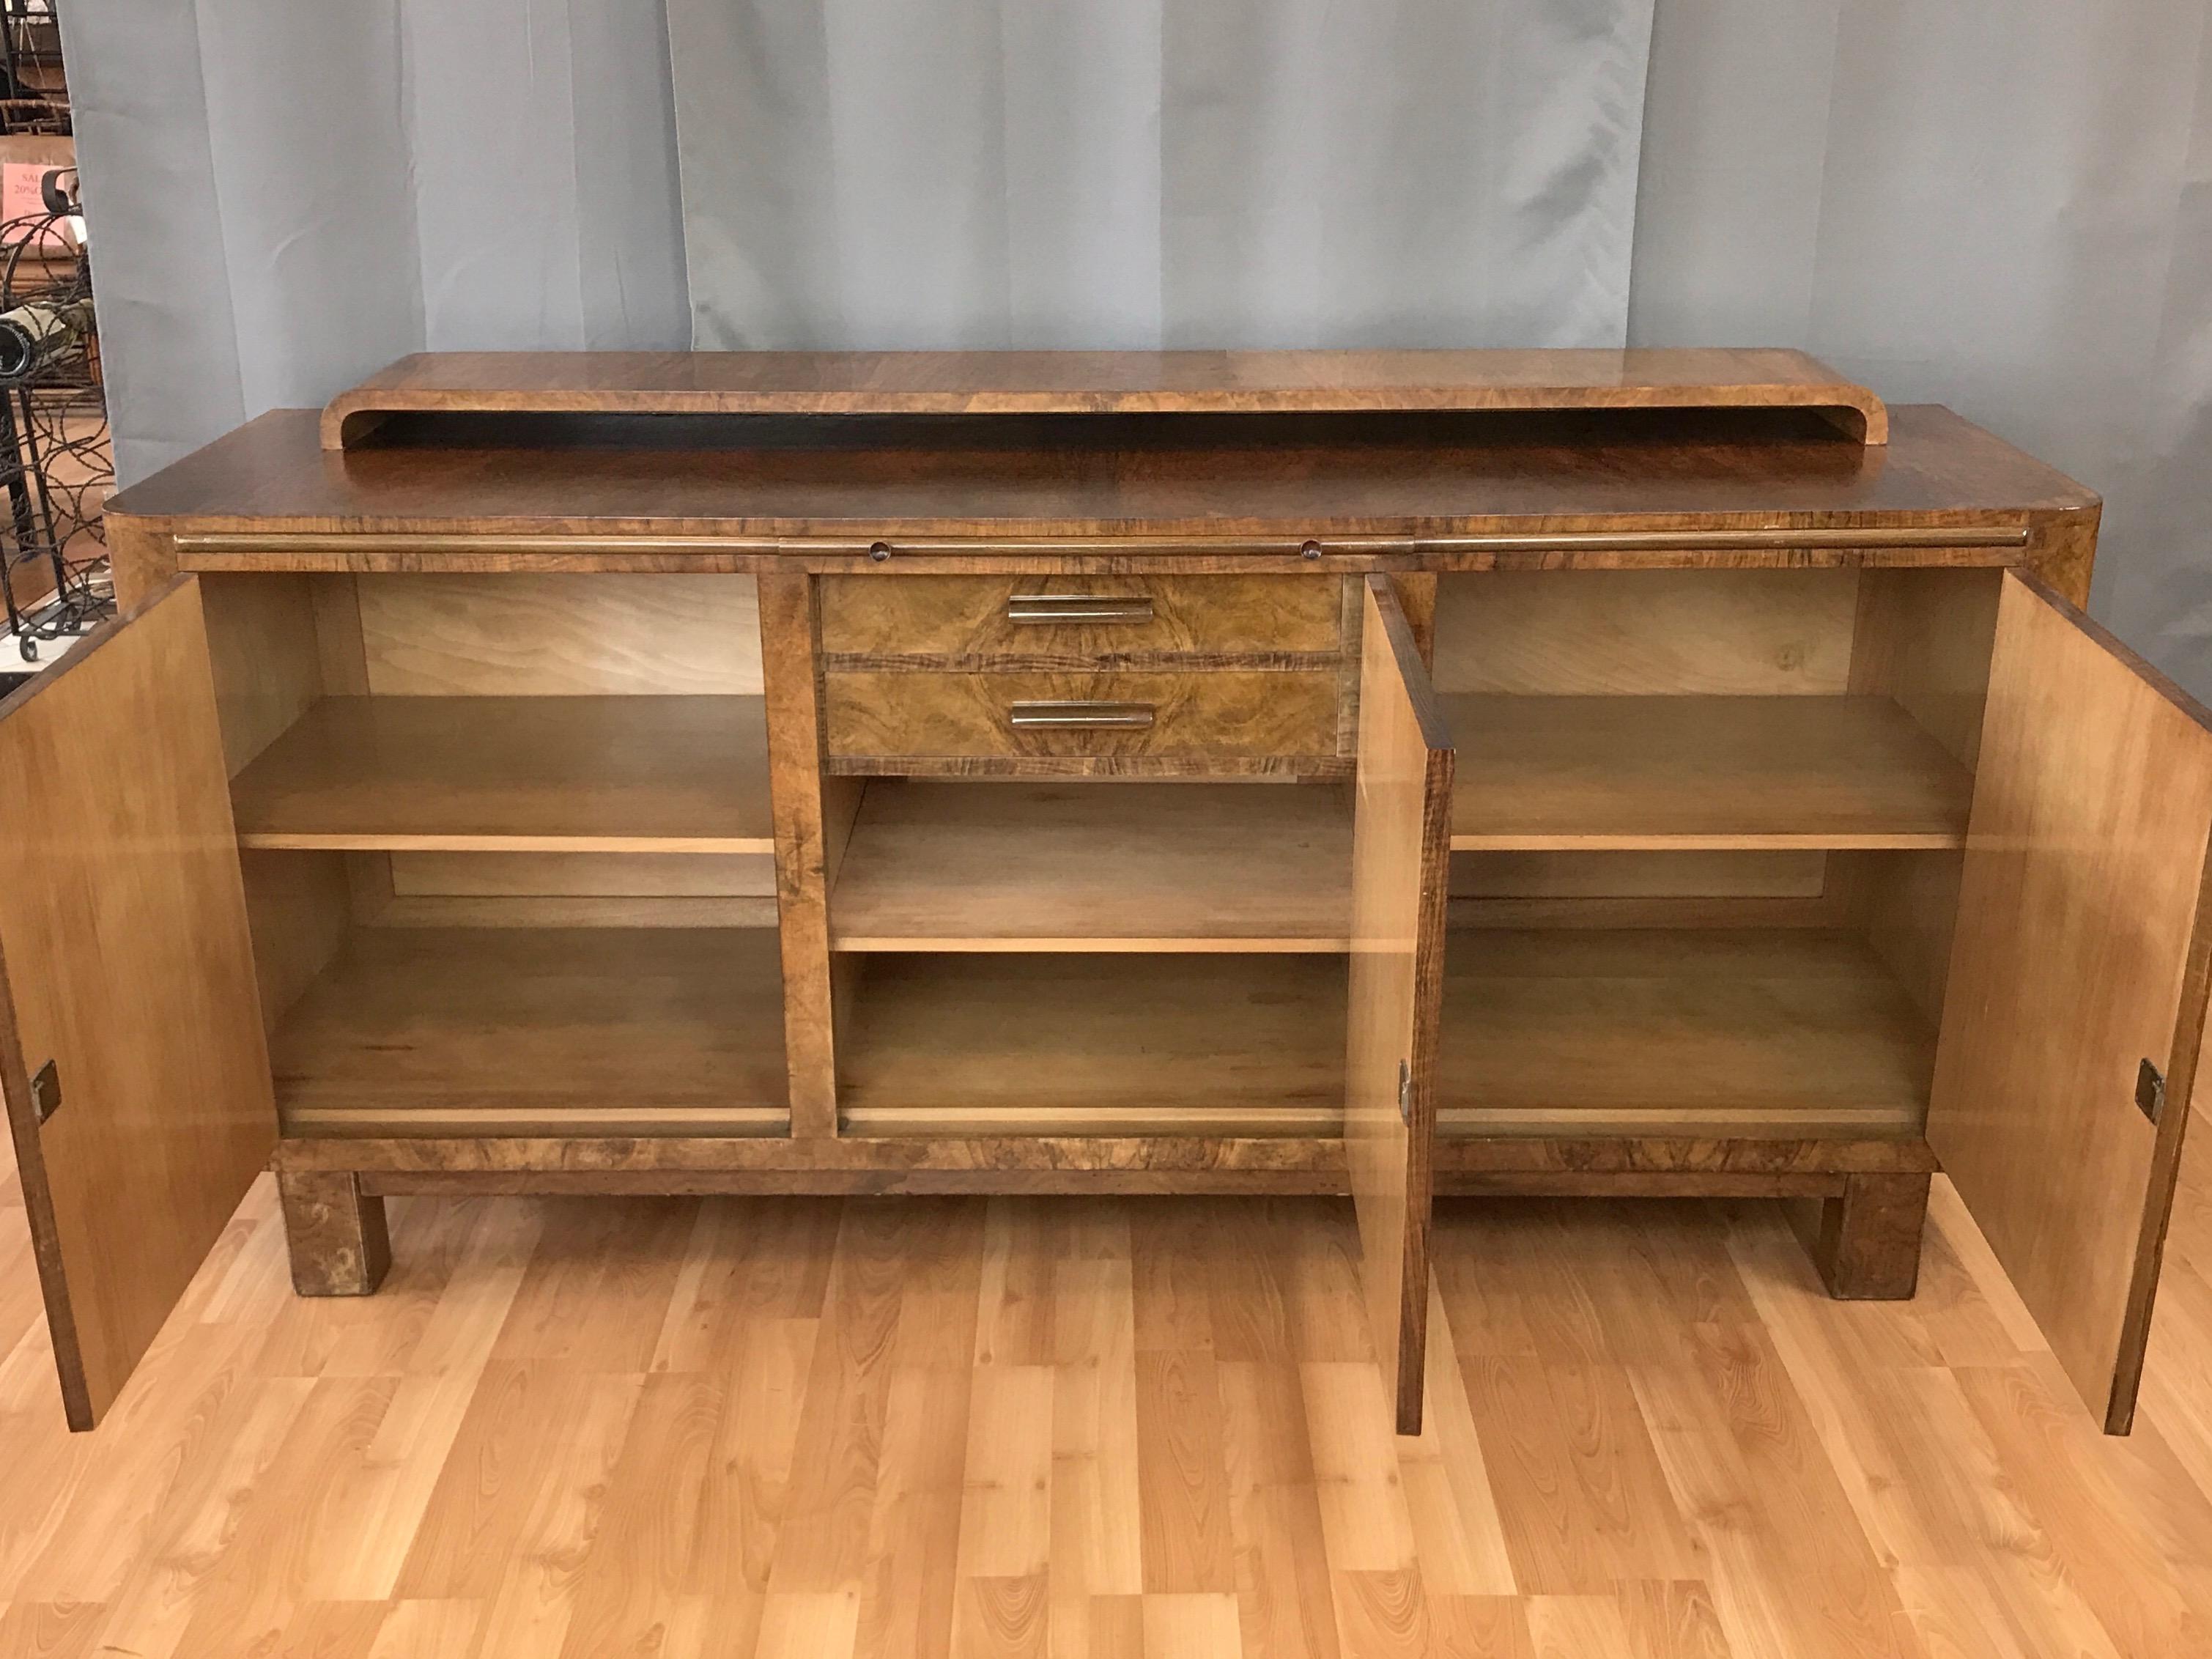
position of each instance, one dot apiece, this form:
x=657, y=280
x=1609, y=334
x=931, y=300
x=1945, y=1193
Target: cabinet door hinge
x=2150, y=1090
x=45, y=1092
x=1406, y=1092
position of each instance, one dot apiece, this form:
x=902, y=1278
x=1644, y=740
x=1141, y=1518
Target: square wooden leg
x=1867, y=1243
x=338, y=1241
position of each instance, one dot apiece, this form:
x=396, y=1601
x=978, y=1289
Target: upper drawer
x=1075, y=621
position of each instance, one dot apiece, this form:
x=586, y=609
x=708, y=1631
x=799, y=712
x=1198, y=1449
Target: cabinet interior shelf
x=539, y=774
x=1085, y=1045
x=985, y=866
x=539, y=1031
x=1797, y=1032
x=1794, y=1033
x=1594, y=773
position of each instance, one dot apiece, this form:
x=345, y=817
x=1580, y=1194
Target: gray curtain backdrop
x=291, y=194
x=1158, y=172
x=1999, y=207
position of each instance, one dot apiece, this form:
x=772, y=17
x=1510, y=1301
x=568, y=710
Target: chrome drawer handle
x=1034, y=610
x=1086, y=716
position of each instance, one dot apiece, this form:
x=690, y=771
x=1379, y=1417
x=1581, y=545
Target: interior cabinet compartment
x=1678, y=710
x=1611, y=772
x=508, y=861
x=1709, y=828
x=1087, y=1044
x=1686, y=1032
x=468, y=1005
x=982, y=865
x=509, y=713
x=550, y=773
x=538, y=1031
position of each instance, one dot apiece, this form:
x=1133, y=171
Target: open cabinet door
x=132, y=1051
x=1401, y=857
x=2076, y=998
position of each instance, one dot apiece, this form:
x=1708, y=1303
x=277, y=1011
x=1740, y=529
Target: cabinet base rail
x=1863, y=1227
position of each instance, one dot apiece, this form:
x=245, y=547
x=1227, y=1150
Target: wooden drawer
x=1224, y=714
x=1079, y=622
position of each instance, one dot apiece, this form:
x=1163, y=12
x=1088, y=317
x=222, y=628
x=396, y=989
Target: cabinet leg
x=1867, y=1243
x=337, y=1233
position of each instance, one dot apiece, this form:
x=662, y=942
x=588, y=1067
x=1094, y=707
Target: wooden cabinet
x=1408, y=778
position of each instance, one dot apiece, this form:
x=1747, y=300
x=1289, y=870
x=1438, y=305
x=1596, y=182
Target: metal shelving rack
x=56, y=467
x=34, y=92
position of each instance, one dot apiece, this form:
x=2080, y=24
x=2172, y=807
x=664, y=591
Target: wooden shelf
x=573, y=773
x=1134, y=867
x=1617, y=773
x=539, y=1031
x=1797, y=1032
x=1095, y=1045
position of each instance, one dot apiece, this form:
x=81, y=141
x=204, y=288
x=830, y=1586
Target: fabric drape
x=1998, y=207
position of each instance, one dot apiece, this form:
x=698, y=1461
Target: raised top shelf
x=1097, y=382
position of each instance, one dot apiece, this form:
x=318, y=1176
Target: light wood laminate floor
x=1100, y=1428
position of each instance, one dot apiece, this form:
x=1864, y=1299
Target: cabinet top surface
x=1385, y=474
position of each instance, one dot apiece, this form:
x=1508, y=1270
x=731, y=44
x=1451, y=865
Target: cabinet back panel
x=561, y=634
x=1638, y=875
x=1651, y=632
x=573, y=875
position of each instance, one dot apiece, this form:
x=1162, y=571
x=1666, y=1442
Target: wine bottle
x=33, y=335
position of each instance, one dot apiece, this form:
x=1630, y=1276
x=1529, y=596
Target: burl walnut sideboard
x=1397, y=774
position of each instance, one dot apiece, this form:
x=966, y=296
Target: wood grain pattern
x=299, y=910
x=603, y=1426
x=1697, y=773
x=263, y=652
x=1195, y=716
x=1078, y=1044
x=1030, y=1163
x=1867, y=1243
x=1667, y=876
x=964, y=622
x=1789, y=1031
x=584, y=875
x=2062, y=549
x=1401, y=857
x=340, y=647
x=1584, y=541
x=1095, y=382
x=2080, y=954
x=127, y=965
x=485, y=773
x=1675, y=632
x=538, y=1030
x=1086, y=866
x=554, y=633
x=1923, y=638
x=338, y=1237
x=813, y=818
x=1772, y=489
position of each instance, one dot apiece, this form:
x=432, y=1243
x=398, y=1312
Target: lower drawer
x=1184, y=716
